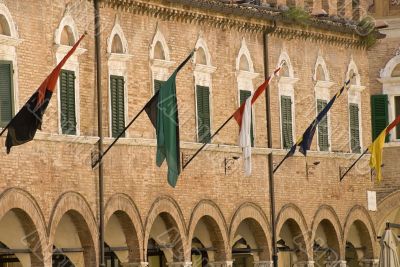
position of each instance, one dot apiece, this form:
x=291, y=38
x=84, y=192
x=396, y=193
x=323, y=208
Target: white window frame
x=203, y=77
x=321, y=91
x=8, y=52
x=354, y=97
x=391, y=87
x=160, y=69
x=286, y=88
x=117, y=65
x=245, y=78
x=72, y=64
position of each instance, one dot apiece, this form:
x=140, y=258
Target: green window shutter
x=6, y=92
x=380, y=118
x=244, y=94
x=203, y=113
x=397, y=111
x=67, y=102
x=323, y=131
x=354, y=129
x=117, y=105
x=157, y=85
x=287, y=123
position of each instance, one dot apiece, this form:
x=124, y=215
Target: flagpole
x=281, y=162
x=354, y=163
x=99, y=129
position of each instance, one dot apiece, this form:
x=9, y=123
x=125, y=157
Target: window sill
x=394, y=143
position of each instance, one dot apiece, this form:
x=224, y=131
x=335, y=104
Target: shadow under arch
x=73, y=207
x=207, y=213
x=127, y=216
x=22, y=210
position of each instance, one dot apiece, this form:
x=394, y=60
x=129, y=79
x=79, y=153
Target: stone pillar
x=370, y=263
x=339, y=263
x=263, y=264
x=135, y=264
x=180, y=264
x=220, y=264
x=304, y=264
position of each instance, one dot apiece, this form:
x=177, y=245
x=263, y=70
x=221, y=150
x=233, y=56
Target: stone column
x=263, y=264
x=304, y=264
x=220, y=264
x=180, y=264
x=370, y=263
x=135, y=264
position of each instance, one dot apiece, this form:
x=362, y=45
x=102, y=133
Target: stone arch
x=292, y=214
x=352, y=68
x=201, y=44
x=284, y=59
x=159, y=39
x=66, y=22
x=321, y=65
x=385, y=207
x=169, y=211
x=116, y=33
x=7, y=20
x=360, y=216
x=259, y=222
x=390, y=67
x=244, y=54
x=29, y=213
x=82, y=216
x=208, y=211
x=328, y=214
x=128, y=216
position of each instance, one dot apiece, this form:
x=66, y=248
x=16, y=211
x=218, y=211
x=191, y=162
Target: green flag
x=162, y=110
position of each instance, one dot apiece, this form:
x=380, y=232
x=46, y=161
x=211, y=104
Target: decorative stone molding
x=180, y=264
x=263, y=264
x=370, y=262
x=304, y=264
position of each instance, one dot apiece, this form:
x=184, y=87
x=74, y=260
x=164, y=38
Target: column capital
x=180, y=264
x=370, y=262
x=221, y=264
x=263, y=264
x=135, y=264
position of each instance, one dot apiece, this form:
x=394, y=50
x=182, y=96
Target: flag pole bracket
x=229, y=163
x=95, y=156
x=185, y=158
x=342, y=171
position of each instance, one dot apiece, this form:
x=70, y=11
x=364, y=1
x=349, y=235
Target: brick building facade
x=49, y=196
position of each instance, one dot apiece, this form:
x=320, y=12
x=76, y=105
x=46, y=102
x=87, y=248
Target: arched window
x=8, y=66
x=203, y=89
x=386, y=106
x=245, y=76
x=354, y=100
x=68, y=92
x=160, y=60
x=322, y=97
x=118, y=57
x=286, y=101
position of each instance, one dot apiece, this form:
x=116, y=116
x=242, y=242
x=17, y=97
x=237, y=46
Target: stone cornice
x=244, y=19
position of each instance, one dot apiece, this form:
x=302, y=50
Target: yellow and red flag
x=376, y=149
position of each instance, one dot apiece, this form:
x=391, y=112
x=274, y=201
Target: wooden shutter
x=157, y=85
x=244, y=94
x=323, y=134
x=203, y=113
x=286, y=117
x=354, y=129
x=67, y=102
x=6, y=92
x=117, y=105
x=380, y=118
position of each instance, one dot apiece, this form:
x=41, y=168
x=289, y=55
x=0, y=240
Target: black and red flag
x=22, y=128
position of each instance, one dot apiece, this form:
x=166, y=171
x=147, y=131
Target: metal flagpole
x=354, y=163
x=99, y=128
x=270, y=156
